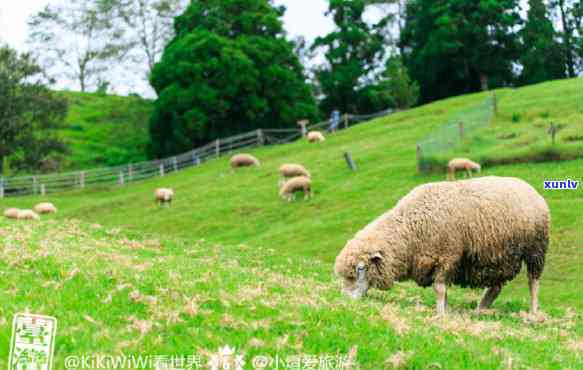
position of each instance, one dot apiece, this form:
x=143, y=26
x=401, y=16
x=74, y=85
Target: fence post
x=82, y=179
x=218, y=147
x=121, y=178
x=350, y=161
x=419, y=158
x=195, y=159
x=345, y=118
x=34, y=185
x=260, y=137
x=495, y=103
x=1, y=188
x=43, y=190
x=161, y=169
x=175, y=164
x=461, y=129
x=130, y=172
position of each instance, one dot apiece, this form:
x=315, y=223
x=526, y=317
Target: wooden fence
x=121, y=175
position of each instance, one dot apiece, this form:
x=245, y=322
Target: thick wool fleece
x=472, y=233
x=244, y=160
x=315, y=137
x=293, y=170
x=296, y=184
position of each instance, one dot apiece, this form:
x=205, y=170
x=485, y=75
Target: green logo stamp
x=33, y=342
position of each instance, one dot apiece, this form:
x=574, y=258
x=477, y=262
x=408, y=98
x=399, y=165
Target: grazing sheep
x=315, y=137
x=244, y=160
x=296, y=185
x=472, y=233
x=293, y=170
x=43, y=208
x=27, y=214
x=164, y=196
x=11, y=213
x=461, y=164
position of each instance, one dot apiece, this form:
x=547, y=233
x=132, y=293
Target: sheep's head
x=362, y=266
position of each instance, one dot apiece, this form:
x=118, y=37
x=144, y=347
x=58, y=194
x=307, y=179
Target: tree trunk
x=567, y=38
x=484, y=82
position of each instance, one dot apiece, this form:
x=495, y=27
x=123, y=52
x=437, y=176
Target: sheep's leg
x=533, y=285
x=469, y=172
x=441, y=291
x=490, y=294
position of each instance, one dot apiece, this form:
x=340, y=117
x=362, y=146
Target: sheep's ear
x=376, y=258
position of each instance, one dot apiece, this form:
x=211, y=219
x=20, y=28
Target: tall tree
x=542, y=58
x=353, y=52
x=230, y=69
x=74, y=39
x=29, y=113
x=570, y=13
x=459, y=46
x=148, y=25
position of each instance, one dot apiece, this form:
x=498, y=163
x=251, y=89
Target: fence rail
x=433, y=151
x=121, y=175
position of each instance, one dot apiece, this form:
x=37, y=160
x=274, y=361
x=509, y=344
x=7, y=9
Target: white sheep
x=243, y=160
x=295, y=185
x=27, y=214
x=293, y=170
x=472, y=233
x=461, y=164
x=164, y=196
x=315, y=137
x=11, y=213
x=44, y=208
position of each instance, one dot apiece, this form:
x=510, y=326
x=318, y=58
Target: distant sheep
x=461, y=164
x=472, y=233
x=27, y=214
x=44, y=208
x=315, y=137
x=293, y=170
x=244, y=160
x=11, y=213
x=295, y=185
x=164, y=196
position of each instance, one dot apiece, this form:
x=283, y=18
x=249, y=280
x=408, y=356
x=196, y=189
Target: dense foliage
x=229, y=69
x=29, y=115
x=459, y=46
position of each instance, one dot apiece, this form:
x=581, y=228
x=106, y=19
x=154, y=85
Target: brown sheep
x=164, y=196
x=243, y=160
x=461, y=164
x=472, y=233
x=296, y=185
x=315, y=137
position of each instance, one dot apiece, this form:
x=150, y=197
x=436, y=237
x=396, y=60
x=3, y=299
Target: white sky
x=303, y=17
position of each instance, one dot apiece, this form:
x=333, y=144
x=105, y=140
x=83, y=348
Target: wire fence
x=433, y=151
x=121, y=175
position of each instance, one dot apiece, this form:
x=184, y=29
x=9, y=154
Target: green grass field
x=105, y=130
x=232, y=264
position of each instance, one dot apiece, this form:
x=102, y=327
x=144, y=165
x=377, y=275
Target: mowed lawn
x=231, y=263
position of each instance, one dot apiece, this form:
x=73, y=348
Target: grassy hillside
x=230, y=263
x=105, y=130
x=520, y=131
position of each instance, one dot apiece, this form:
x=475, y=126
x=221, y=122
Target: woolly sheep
x=315, y=137
x=293, y=170
x=244, y=160
x=296, y=185
x=43, y=208
x=164, y=196
x=11, y=213
x=27, y=214
x=461, y=164
x=472, y=233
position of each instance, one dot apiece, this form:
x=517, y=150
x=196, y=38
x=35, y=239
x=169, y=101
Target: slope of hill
x=231, y=263
x=105, y=130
